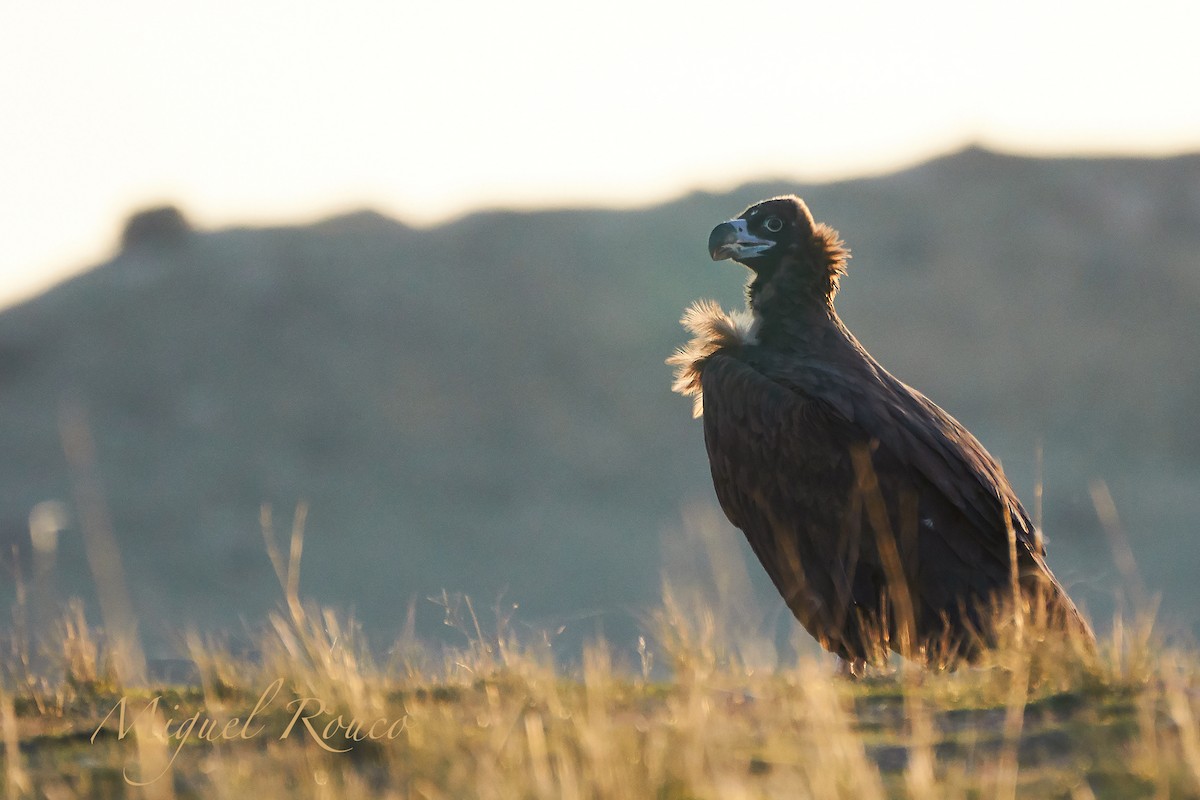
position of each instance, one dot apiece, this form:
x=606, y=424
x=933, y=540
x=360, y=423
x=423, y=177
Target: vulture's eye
x=773, y=224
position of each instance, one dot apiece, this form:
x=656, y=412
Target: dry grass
x=708, y=709
x=496, y=719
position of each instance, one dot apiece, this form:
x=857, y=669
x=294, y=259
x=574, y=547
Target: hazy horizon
x=269, y=113
x=107, y=242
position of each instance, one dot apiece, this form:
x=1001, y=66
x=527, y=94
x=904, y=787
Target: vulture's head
x=778, y=240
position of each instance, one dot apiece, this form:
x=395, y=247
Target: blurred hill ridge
x=483, y=406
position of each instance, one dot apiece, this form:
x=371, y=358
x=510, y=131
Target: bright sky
x=253, y=111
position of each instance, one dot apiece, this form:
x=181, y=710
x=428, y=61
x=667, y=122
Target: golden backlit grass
x=703, y=708
x=501, y=719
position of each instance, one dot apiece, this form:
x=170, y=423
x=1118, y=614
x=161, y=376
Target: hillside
x=483, y=406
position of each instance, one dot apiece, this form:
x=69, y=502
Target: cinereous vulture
x=881, y=520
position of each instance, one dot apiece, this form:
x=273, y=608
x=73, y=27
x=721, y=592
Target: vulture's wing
x=781, y=455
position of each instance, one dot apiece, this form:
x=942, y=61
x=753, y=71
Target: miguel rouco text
x=310, y=718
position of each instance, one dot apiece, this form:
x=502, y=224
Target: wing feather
x=780, y=452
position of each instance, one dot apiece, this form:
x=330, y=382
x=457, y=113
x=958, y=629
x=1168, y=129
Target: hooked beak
x=733, y=240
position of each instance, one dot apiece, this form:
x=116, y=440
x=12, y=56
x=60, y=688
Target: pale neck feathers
x=712, y=328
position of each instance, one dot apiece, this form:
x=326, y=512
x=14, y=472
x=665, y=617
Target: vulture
x=884, y=524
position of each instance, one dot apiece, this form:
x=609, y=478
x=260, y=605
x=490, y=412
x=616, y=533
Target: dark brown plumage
x=881, y=520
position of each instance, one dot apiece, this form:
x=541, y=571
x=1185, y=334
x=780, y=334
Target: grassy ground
x=315, y=716
x=700, y=713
